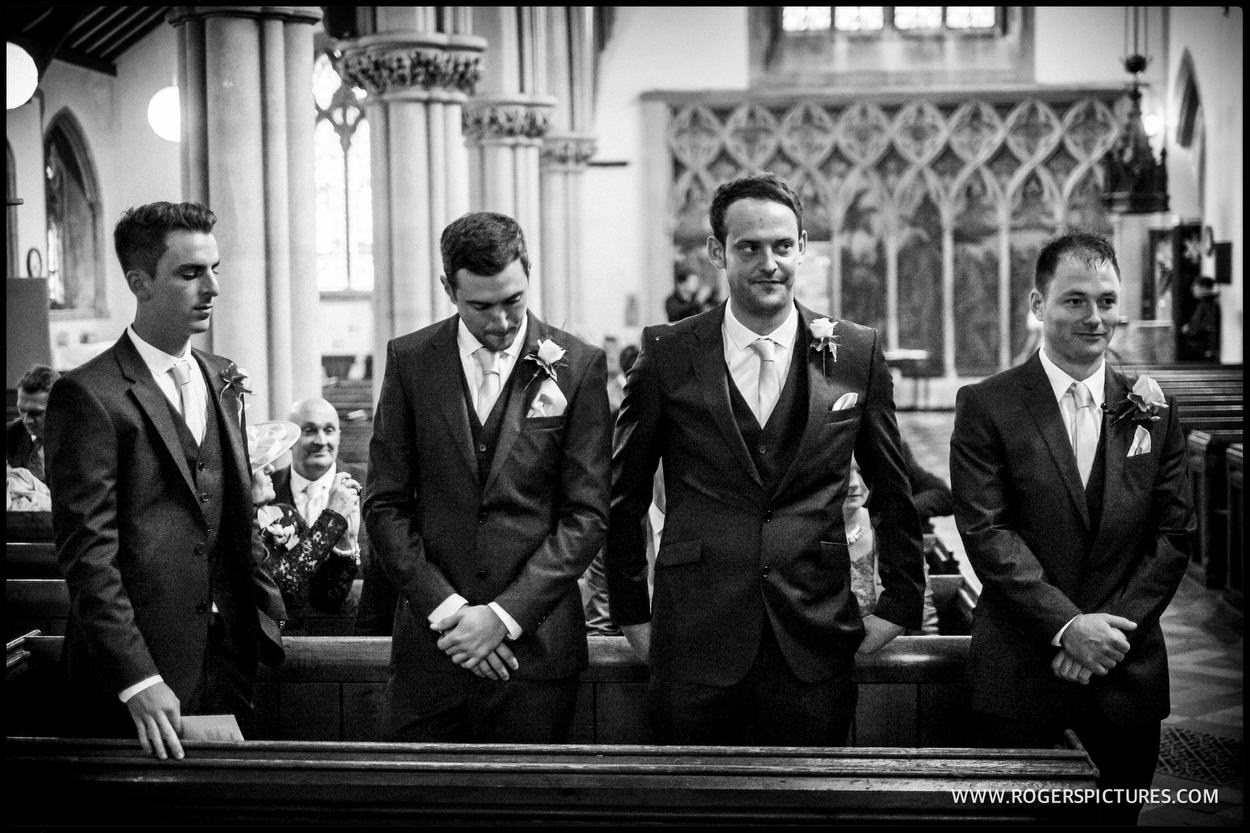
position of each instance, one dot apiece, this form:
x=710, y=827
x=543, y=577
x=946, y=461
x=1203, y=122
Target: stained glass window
x=877, y=19
x=344, y=216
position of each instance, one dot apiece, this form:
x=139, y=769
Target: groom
x=755, y=408
x=487, y=498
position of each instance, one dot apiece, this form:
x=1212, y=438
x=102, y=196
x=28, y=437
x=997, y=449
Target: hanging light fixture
x=1136, y=183
x=165, y=114
x=20, y=76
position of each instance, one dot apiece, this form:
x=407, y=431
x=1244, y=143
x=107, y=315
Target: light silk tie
x=182, y=377
x=312, y=503
x=769, y=384
x=488, y=390
x=1084, y=429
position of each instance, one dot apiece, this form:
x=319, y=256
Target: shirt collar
x=468, y=343
x=742, y=337
x=157, y=360
x=299, y=482
x=1060, y=381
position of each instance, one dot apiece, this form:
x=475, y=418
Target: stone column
x=416, y=82
x=245, y=77
x=505, y=135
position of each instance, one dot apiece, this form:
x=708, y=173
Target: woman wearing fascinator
x=301, y=559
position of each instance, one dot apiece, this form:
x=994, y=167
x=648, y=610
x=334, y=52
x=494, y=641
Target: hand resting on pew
x=157, y=714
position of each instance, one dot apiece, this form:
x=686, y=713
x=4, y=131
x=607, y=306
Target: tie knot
x=1084, y=399
x=765, y=349
x=181, y=373
x=488, y=360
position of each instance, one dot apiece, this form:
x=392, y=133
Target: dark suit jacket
x=520, y=538
x=132, y=537
x=731, y=553
x=1023, y=517
x=18, y=444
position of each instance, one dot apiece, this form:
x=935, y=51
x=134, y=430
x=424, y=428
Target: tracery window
x=75, y=264
x=870, y=19
x=344, y=217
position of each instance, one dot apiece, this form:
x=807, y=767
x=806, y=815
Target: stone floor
x=1202, y=744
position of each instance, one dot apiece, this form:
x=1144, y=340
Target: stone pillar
x=505, y=135
x=567, y=149
x=417, y=81
x=245, y=77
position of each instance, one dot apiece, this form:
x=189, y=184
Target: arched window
x=10, y=213
x=75, y=267
x=344, y=193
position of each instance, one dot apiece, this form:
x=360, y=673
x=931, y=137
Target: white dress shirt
x=744, y=363
x=1060, y=381
x=467, y=345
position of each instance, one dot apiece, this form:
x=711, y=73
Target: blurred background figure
x=689, y=297
x=24, y=435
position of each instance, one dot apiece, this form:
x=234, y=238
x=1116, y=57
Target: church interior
x=935, y=150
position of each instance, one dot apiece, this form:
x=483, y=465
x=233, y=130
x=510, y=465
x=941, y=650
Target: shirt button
x=764, y=571
x=763, y=449
x=768, y=515
x=201, y=466
x=204, y=498
x=481, y=447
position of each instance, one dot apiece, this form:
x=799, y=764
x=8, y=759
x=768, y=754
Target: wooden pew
x=1208, y=478
x=27, y=526
x=1210, y=397
x=1236, y=534
x=912, y=693
x=104, y=782
x=30, y=559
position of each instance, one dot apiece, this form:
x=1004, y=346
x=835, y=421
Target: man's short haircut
x=1089, y=249
x=765, y=186
x=484, y=243
x=140, y=235
x=38, y=379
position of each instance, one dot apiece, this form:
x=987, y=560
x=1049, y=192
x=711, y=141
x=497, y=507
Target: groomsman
x=487, y=498
x=1072, y=498
x=755, y=408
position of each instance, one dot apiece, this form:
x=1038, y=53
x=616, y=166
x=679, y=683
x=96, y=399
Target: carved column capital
x=568, y=150
x=423, y=66
x=297, y=14
x=508, y=120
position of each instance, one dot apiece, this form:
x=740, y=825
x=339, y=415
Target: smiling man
x=487, y=498
x=755, y=409
x=1079, y=525
x=170, y=608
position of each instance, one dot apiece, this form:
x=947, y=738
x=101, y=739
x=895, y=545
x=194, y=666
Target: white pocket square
x=1141, y=442
x=549, y=402
x=846, y=400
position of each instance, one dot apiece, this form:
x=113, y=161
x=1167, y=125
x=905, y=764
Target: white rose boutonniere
x=283, y=536
x=1142, y=404
x=236, y=379
x=823, y=339
x=548, y=357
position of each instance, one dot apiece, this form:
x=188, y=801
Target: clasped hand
x=1093, y=644
x=473, y=638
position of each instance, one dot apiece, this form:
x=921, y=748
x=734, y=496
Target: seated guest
x=301, y=558
x=24, y=492
x=24, y=435
x=931, y=495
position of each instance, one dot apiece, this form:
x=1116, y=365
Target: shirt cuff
x=139, y=686
x=449, y=606
x=1058, y=640
x=514, y=630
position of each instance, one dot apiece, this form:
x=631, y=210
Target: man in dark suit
x=487, y=497
x=24, y=435
x=152, y=505
x=755, y=408
x=1079, y=526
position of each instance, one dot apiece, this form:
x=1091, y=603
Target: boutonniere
x=1142, y=404
x=236, y=380
x=548, y=356
x=823, y=339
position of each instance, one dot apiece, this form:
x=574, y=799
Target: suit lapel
x=1039, y=402
x=225, y=407
x=152, y=402
x=439, y=370
x=1115, y=445
x=707, y=353
x=525, y=383
x=824, y=387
